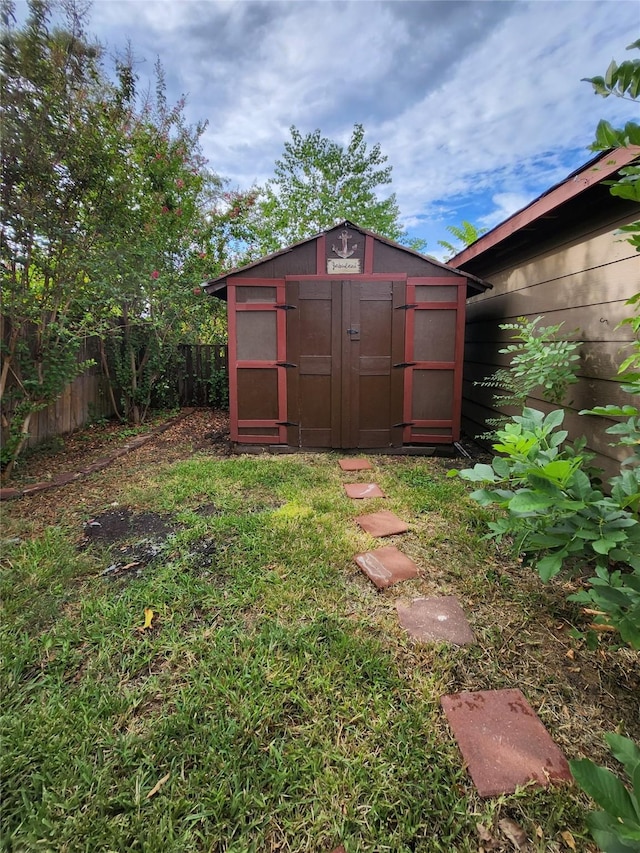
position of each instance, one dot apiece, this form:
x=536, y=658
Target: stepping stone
x=386, y=566
x=363, y=490
x=433, y=619
x=355, y=464
x=503, y=742
x=383, y=523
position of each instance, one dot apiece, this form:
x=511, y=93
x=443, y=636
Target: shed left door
x=257, y=361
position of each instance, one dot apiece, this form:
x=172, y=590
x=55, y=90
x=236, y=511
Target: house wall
x=579, y=279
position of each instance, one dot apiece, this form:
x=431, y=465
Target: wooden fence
x=201, y=379
x=83, y=400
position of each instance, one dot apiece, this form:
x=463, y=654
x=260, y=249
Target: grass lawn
x=273, y=704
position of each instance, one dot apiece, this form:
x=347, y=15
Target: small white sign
x=343, y=265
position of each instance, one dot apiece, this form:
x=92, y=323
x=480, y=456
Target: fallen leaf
x=570, y=654
x=157, y=786
x=483, y=832
x=148, y=617
x=568, y=839
x=489, y=842
x=595, y=627
x=539, y=832
x=514, y=832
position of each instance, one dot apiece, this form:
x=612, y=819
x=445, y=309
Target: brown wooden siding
x=580, y=279
x=299, y=261
x=389, y=259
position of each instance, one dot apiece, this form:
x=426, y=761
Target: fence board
x=201, y=379
x=203, y=375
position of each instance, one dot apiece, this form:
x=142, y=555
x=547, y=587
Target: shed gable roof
x=216, y=286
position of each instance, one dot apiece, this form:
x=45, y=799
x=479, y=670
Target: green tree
x=57, y=156
x=155, y=251
x=319, y=182
x=466, y=233
x=621, y=81
x=105, y=222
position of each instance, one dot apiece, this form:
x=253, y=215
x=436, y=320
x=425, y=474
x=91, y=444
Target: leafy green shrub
x=616, y=829
x=559, y=518
x=538, y=361
x=626, y=485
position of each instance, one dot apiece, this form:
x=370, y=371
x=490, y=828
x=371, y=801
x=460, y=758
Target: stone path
x=502, y=741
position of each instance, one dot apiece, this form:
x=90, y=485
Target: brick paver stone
x=363, y=490
x=503, y=742
x=383, y=523
x=435, y=619
x=355, y=464
x=386, y=566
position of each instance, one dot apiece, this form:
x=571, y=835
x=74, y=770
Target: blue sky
x=479, y=106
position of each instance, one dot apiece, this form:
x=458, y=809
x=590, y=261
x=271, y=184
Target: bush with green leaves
x=538, y=361
x=622, y=81
x=627, y=431
x=560, y=518
x=616, y=828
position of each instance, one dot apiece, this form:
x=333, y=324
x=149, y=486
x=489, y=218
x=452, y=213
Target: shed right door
x=434, y=347
x=343, y=339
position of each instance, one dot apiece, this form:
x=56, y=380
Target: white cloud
x=505, y=204
x=469, y=100
x=511, y=108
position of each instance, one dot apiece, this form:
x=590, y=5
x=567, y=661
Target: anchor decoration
x=345, y=251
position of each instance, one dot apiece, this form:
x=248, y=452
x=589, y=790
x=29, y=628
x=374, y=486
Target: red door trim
x=368, y=254
x=459, y=357
x=321, y=254
x=235, y=364
x=375, y=276
x=455, y=366
x=238, y=281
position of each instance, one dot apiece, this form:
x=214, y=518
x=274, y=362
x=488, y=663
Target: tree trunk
x=135, y=408
x=24, y=435
x=105, y=370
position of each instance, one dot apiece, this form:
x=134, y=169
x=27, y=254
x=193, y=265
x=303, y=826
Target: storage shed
x=345, y=340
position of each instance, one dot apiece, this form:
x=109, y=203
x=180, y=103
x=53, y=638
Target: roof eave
x=593, y=172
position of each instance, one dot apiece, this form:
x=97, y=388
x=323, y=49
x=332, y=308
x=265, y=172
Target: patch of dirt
x=120, y=524
x=132, y=559
x=148, y=534
x=203, y=430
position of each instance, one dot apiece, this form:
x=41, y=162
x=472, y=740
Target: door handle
x=354, y=333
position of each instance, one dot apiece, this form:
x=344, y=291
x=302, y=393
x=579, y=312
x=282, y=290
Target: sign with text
x=343, y=265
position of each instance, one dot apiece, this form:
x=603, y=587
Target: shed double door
x=343, y=339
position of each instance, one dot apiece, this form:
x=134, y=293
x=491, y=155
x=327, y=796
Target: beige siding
x=582, y=282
